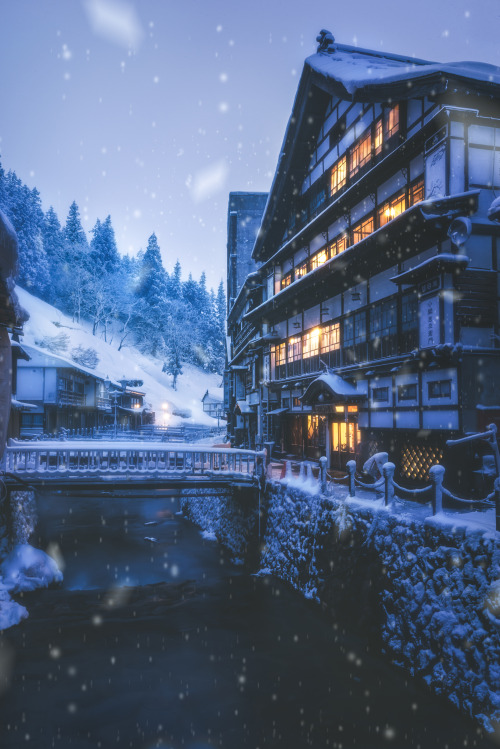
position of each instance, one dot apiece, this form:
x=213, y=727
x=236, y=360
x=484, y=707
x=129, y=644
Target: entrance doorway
x=344, y=443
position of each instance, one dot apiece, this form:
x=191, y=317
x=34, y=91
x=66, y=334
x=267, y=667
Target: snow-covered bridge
x=93, y=462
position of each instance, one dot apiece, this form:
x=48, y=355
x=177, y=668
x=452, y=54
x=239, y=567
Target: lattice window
x=417, y=459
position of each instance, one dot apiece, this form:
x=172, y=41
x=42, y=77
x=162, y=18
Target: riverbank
x=210, y=657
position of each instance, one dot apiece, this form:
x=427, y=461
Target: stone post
x=351, y=467
x=436, y=475
x=388, y=472
x=322, y=473
x=260, y=468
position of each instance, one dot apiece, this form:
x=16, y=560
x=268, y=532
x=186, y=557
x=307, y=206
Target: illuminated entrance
x=334, y=403
x=344, y=436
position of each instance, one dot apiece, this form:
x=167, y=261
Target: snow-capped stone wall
x=428, y=590
x=431, y=590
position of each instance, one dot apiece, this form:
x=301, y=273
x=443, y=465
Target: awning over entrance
x=22, y=406
x=278, y=411
x=331, y=388
x=243, y=407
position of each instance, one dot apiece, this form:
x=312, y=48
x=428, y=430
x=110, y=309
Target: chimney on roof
x=326, y=42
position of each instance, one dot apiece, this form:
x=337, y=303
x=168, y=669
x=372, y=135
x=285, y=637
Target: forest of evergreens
x=126, y=300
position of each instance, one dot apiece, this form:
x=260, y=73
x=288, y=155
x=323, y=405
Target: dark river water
x=163, y=643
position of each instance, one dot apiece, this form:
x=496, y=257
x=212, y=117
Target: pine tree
x=73, y=230
x=24, y=208
x=53, y=242
x=174, y=286
x=75, y=273
x=103, y=256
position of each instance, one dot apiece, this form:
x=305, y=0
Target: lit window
x=440, y=389
x=319, y=258
x=281, y=354
x=330, y=338
x=297, y=403
x=310, y=343
x=338, y=246
x=391, y=209
x=378, y=136
x=362, y=230
x=417, y=192
x=392, y=121
x=352, y=409
x=339, y=409
x=294, y=348
x=286, y=280
x=338, y=175
x=301, y=270
x=360, y=154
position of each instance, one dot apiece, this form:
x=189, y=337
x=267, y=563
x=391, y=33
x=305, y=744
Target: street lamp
x=115, y=394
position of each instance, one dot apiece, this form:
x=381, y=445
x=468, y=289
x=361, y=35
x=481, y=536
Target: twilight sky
x=153, y=110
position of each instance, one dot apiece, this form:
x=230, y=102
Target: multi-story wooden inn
x=372, y=320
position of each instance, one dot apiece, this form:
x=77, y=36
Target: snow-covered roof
x=445, y=261
x=358, y=70
x=21, y=406
x=353, y=73
x=48, y=359
x=336, y=385
x=212, y=397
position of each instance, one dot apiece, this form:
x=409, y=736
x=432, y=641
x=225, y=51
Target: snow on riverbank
x=24, y=569
x=47, y=322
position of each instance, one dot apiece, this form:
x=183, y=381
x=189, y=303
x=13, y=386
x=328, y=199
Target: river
x=156, y=640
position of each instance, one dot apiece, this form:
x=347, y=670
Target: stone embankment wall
x=429, y=590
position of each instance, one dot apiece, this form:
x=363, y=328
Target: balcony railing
x=103, y=403
x=68, y=398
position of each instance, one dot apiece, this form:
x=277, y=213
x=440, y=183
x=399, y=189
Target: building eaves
x=362, y=75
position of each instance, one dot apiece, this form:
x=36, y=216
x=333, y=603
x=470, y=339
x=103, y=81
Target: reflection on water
x=115, y=541
x=229, y=660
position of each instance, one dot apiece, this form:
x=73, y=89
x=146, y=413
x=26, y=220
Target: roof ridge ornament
x=326, y=42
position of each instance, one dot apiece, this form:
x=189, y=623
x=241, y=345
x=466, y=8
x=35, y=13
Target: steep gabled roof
x=354, y=74
x=366, y=75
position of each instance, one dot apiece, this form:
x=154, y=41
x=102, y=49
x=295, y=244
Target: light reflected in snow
x=116, y=21
x=54, y=551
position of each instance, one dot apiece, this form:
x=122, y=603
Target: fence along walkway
x=48, y=460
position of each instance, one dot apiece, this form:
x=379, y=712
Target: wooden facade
x=377, y=264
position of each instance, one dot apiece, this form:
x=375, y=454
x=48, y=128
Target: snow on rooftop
x=129, y=364
x=356, y=68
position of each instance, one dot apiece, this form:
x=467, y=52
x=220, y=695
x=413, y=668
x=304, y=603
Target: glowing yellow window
x=286, y=280
x=338, y=175
x=352, y=409
x=310, y=344
x=392, y=121
x=294, y=348
x=338, y=246
x=281, y=354
x=378, y=137
x=417, y=192
x=301, y=270
x=339, y=409
x=330, y=338
x=360, y=154
x=319, y=258
x=362, y=230
x=391, y=209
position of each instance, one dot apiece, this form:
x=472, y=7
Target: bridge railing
x=30, y=459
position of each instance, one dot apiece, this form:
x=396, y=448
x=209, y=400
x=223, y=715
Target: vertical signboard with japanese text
x=430, y=323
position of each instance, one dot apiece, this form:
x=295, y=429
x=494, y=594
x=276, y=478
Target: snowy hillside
x=47, y=322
